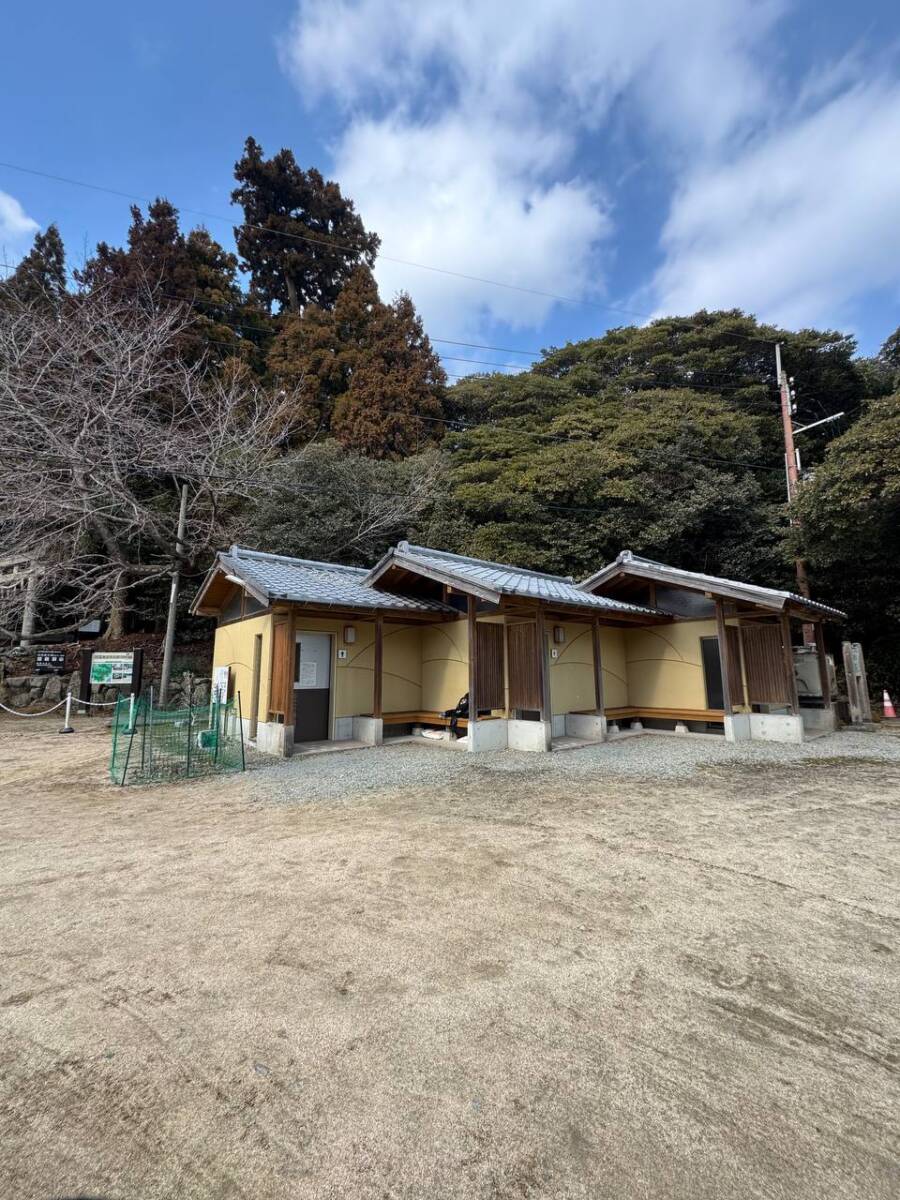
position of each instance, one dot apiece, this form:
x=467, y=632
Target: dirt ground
x=621, y=989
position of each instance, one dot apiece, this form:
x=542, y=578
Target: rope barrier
x=43, y=713
x=67, y=700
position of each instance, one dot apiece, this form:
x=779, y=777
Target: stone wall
x=22, y=689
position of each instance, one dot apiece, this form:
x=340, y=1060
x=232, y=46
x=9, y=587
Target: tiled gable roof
x=500, y=578
x=769, y=597
x=304, y=581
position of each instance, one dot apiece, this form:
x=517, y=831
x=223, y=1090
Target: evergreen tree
x=850, y=534
x=163, y=265
x=393, y=405
x=301, y=239
x=40, y=278
x=365, y=370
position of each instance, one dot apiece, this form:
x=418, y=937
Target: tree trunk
x=293, y=299
x=117, y=610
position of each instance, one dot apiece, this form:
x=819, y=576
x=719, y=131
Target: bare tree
x=102, y=422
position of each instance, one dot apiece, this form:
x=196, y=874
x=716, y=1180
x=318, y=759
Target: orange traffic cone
x=889, y=712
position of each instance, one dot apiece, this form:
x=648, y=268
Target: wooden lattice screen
x=489, y=665
x=524, y=670
x=764, y=660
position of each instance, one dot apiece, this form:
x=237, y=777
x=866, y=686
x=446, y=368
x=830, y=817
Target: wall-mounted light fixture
x=559, y=634
x=349, y=634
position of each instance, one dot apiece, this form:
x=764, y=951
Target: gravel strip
x=352, y=774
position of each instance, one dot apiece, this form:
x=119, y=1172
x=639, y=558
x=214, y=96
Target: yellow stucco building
x=504, y=657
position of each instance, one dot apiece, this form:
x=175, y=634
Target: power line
x=95, y=187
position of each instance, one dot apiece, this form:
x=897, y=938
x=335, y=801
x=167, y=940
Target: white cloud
x=16, y=227
x=800, y=224
x=462, y=122
x=470, y=199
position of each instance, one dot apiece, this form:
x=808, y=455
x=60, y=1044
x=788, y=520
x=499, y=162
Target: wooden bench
x=427, y=718
x=715, y=716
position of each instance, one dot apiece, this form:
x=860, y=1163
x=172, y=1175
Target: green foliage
x=365, y=370
x=851, y=534
x=568, y=489
x=162, y=265
x=333, y=506
x=40, y=278
x=301, y=239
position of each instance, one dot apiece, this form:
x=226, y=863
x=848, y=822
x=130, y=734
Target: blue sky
x=640, y=154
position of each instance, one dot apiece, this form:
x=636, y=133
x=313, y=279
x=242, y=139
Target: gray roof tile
x=304, y=581
x=508, y=581
x=753, y=591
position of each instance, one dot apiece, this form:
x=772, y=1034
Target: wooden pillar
x=505, y=669
x=745, y=678
x=724, y=657
x=788, y=657
x=254, y=686
x=824, y=683
x=543, y=670
x=473, y=652
x=598, y=666
x=379, y=666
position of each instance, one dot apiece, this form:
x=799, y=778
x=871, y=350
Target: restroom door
x=312, y=687
x=712, y=672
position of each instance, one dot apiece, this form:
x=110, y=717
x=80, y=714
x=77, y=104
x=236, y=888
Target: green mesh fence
x=151, y=744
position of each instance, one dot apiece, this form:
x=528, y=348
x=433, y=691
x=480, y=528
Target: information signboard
x=220, y=684
x=46, y=662
x=112, y=668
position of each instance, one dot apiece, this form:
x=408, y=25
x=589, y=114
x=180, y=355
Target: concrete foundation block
x=368, y=730
x=637, y=725
x=776, y=727
x=819, y=720
x=612, y=730
x=680, y=727
x=343, y=729
x=272, y=738
x=738, y=727
x=591, y=726
x=529, y=735
x=487, y=735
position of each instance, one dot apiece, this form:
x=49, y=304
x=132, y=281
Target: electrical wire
x=331, y=243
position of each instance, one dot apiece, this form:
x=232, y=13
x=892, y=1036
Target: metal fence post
x=241, y=732
x=188, y=756
x=148, y=732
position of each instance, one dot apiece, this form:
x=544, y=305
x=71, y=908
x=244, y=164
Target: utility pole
x=169, y=643
x=792, y=469
x=790, y=459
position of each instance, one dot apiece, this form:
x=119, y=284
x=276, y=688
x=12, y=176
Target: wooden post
x=745, y=678
x=473, y=651
x=598, y=666
x=824, y=682
x=505, y=669
x=254, y=686
x=788, y=656
x=379, y=666
x=543, y=671
x=724, y=657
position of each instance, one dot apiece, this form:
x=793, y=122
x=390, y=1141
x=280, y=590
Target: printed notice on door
x=307, y=674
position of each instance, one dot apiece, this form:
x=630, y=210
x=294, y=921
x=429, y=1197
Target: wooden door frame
x=332, y=675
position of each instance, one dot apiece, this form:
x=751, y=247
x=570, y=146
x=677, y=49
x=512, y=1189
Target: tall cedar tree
x=301, y=239
x=40, y=278
x=163, y=265
x=366, y=371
